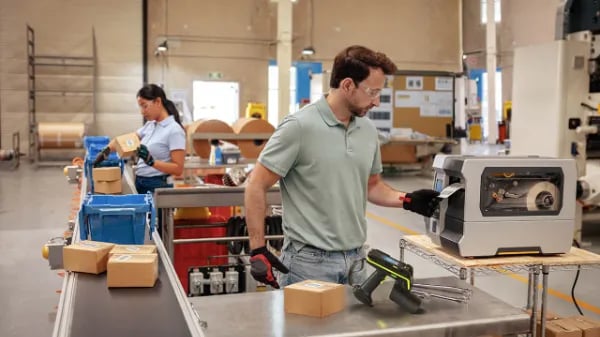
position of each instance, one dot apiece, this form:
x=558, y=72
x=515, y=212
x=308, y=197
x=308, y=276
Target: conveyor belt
x=88, y=308
x=99, y=311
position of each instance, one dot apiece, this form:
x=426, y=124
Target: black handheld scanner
x=387, y=266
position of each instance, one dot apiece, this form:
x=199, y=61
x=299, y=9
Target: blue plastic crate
x=118, y=219
x=100, y=141
x=92, y=151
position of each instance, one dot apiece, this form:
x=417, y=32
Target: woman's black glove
x=142, y=152
x=102, y=156
x=422, y=202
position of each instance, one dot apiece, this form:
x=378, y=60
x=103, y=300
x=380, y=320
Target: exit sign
x=215, y=75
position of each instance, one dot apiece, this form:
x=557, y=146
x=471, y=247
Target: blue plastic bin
x=118, y=219
x=90, y=156
x=100, y=141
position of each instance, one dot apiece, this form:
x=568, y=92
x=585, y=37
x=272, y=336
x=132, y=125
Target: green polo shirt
x=324, y=169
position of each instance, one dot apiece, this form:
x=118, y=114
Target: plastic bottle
x=212, y=158
x=218, y=155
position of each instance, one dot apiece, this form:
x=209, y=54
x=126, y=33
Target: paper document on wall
x=443, y=83
x=408, y=99
x=435, y=111
x=414, y=83
x=436, y=104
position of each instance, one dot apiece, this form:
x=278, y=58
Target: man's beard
x=357, y=111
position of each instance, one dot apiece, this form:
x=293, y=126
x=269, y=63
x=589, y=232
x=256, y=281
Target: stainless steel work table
x=262, y=314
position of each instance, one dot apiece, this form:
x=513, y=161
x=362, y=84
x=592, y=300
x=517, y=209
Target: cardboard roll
x=60, y=135
x=7, y=155
x=250, y=148
x=543, y=196
x=201, y=147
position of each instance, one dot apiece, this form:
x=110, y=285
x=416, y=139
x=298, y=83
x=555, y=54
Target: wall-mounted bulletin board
x=424, y=102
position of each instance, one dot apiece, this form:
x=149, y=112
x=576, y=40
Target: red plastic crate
x=226, y=211
x=196, y=254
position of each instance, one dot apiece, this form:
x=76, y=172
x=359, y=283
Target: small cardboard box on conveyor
x=132, y=270
x=86, y=256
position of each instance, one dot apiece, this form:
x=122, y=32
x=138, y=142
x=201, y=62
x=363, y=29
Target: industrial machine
x=556, y=97
x=504, y=205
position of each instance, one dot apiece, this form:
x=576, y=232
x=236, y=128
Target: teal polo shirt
x=324, y=169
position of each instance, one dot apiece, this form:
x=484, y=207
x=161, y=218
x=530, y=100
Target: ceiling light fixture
x=308, y=51
x=163, y=46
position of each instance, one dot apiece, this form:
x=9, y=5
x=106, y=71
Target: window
x=484, y=100
x=216, y=100
x=497, y=11
x=273, y=98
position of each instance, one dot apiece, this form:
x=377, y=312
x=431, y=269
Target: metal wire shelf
x=501, y=269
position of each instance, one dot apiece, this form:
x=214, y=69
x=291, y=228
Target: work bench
x=468, y=268
x=262, y=314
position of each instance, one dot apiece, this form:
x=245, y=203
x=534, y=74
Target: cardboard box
x=561, y=328
x=314, y=298
x=133, y=249
x=86, y=256
x=398, y=153
x=588, y=326
x=550, y=316
x=108, y=187
x=132, y=270
x=106, y=173
x=127, y=144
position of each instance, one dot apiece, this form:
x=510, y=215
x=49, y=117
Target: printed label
x=449, y=190
x=89, y=244
x=129, y=142
x=132, y=249
x=313, y=285
x=123, y=258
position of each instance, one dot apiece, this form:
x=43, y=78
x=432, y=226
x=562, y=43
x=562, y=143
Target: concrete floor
x=34, y=206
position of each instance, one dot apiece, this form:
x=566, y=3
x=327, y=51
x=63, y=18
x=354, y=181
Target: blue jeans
x=144, y=185
x=148, y=184
x=306, y=262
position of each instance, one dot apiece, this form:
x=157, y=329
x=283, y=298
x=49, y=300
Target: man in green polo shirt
x=327, y=159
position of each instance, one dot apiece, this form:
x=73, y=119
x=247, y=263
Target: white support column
x=491, y=72
x=284, y=56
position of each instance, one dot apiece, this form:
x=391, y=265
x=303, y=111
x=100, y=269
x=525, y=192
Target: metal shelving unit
x=66, y=64
x=466, y=268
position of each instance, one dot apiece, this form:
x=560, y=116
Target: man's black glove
x=102, y=156
x=262, y=262
x=142, y=152
x=423, y=202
